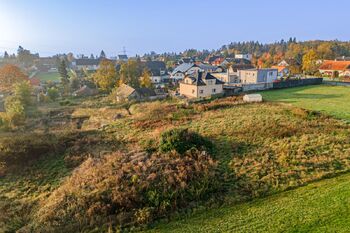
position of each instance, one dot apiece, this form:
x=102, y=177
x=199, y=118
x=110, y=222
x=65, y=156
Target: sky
x=88, y=26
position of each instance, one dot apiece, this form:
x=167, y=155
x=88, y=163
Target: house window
x=193, y=91
x=214, y=90
x=201, y=91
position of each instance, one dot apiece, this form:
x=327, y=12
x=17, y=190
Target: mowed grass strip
x=46, y=76
x=332, y=100
x=319, y=207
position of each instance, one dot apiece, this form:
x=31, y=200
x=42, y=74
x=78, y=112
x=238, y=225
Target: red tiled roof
x=335, y=65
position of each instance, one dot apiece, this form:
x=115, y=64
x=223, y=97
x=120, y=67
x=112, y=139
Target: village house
x=200, y=85
x=255, y=76
x=46, y=64
x=127, y=93
x=244, y=56
x=335, y=68
x=159, y=73
x=90, y=64
x=182, y=70
x=283, y=71
x=123, y=58
x=218, y=61
x=231, y=76
x=210, y=68
x=211, y=59
x=228, y=77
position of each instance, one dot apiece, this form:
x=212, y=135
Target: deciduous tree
x=10, y=75
x=145, y=80
x=106, y=75
x=130, y=73
x=310, y=62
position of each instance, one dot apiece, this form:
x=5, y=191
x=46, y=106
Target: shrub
x=23, y=91
x=127, y=189
x=53, y=93
x=65, y=102
x=182, y=140
x=15, y=111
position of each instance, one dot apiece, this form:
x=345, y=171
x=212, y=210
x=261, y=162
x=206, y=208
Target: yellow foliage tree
x=145, y=80
x=310, y=62
x=106, y=75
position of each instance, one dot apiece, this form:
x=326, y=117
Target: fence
x=335, y=83
x=256, y=87
x=297, y=83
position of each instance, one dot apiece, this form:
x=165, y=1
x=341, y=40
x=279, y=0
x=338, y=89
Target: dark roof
x=198, y=78
x=211, y=59
x=187, y=60
x=207, y=67
x=123, y=57
x=145, y=92
x=86, y=62
x=155, y=67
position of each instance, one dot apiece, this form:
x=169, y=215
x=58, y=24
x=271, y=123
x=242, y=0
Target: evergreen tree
x=102, y=54
x=6, y=55
x=62, y=70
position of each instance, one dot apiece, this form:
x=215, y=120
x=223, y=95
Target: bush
x=182, y=140
x=15, y=111
x=53, y=93
x=127, y=189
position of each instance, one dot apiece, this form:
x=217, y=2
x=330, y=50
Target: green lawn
x=49, y=76
x=332, y=100
x=319, y=207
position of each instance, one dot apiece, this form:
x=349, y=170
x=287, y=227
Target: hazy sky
x=87, y=26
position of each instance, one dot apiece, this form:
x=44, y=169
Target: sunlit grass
x=332, y=100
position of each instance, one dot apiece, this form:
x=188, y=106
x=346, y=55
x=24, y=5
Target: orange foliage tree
x=10, y=75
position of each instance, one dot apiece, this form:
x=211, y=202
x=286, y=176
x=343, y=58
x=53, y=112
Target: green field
x=332, y=100
x=319, y=207
x=48, y=76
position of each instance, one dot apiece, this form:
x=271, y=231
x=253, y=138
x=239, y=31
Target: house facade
x=228, y=77
x=244, y=56
x=159, y=73
x=254, y=76
x=90, y=64
x=335, y=68
x=283, y=71
x=200, y=85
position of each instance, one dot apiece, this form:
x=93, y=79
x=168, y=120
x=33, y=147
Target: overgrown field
x=129, y=168
x=332, y=100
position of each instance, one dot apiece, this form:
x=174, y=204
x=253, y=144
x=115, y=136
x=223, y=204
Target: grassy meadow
x=332, y=100
x=319, y=207
x=46, y=76
x=261, y=151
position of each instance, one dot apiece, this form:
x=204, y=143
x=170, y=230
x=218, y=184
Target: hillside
x=259, y=149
